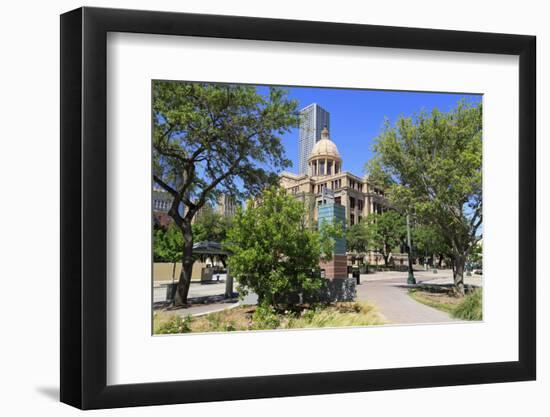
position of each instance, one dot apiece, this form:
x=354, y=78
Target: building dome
x=325, y=148
x=324, y=158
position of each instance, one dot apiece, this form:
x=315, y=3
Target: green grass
x=422, y=297
x=469, y=307
x=254, y=318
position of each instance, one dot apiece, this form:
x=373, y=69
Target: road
x=195, y=290
x=197, y=293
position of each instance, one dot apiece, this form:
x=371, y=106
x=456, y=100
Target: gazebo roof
x=209, y=248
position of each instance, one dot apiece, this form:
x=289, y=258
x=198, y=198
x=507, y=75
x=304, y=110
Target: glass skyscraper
x=312, y=120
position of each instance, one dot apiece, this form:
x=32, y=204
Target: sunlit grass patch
x=468, y=307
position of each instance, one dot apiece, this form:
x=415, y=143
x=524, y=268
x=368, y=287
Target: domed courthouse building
x=325, y=177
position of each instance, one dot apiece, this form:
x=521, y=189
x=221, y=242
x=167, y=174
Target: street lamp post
x=410, y=278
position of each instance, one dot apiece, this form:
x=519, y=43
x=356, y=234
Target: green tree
x=275, y=253
x=431, y=164
x=357, y=238
x=211, y=226
x=476, y=255
x=167, y=246
x=385, y=232
x=215, y=138
x=428, y=241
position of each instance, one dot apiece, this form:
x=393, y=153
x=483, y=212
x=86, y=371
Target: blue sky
x=357, y=117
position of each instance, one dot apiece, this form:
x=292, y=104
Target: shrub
x=265, y=317
x=274, y=254
x=340, y=315
x=173, y=324
x=471, y=307
x=220, y=322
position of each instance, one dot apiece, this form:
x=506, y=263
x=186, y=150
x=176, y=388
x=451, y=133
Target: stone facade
x=337, y=267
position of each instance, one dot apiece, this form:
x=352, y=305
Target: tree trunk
x=186, y=265
x=459, y=262
x=385, y=256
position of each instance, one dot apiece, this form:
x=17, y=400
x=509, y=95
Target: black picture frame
x=84, y=207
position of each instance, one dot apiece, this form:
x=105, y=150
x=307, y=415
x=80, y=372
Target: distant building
x=312, y=120
x=226, y=205
x=325, y=175
x=162, y=201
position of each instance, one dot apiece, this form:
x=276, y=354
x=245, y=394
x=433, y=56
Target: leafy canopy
x=167, y=244
x=385, y=231
x=357, y=238
x=431, y=166
x=211, y=226
x=217, y=138
x=428, y=239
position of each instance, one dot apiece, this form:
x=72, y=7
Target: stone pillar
x=337, y=267
x=228, y=284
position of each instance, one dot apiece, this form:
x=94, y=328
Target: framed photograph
x=257, y=208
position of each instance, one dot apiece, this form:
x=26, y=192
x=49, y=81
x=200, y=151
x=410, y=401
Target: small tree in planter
x=275, y=253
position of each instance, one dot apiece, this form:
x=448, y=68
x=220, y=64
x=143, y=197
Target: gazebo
x=207, y=248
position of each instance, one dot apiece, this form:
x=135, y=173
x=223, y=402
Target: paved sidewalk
x=391, y=298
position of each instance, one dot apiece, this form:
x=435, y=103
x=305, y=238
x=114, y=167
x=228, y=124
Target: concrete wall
x=162, y=271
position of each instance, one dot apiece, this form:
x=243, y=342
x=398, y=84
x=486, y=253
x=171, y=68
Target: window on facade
x=352, y=202
x=360, y=204
x=359, y=218
x=338, y=200
x=351, y=219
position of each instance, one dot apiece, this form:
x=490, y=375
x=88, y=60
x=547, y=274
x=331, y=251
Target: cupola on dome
x=325, y=147
x=324, y=158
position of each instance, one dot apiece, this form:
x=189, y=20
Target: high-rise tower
x=313, y=119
